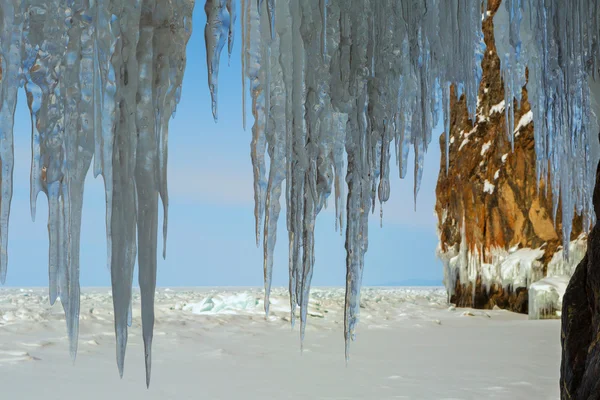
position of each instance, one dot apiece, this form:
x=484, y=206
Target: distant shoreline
x=381, y=286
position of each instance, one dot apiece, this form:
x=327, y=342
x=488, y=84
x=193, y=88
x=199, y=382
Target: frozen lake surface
x=214, y=343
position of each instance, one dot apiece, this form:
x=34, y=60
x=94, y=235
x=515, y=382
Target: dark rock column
x=580, y=331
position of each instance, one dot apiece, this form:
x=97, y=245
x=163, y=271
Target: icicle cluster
x=559, y=47
x=102, y=80
x=336, y=84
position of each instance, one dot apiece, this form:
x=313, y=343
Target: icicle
x=105, y=110
x=216, y=30
x=256, y=77
x=318, y=143
x=384, y=183
x=358, y=173
x=542, y=37
x=323, y=26
x=329, y=81
x=418, y=169
x=37, y=91
x=245, y=37
x=79, y=146
x=284, y=34
x=10, y=56
x=159, y=91
x=308, y=255
x=46, y=30
x=266, y=39
x=299, y=158
x=147, y=185
x=338, y=119
x=124, y=213
x=271, y=16
x=162, y=40
x=339, y=131
x=231, y=8
x=276, y=135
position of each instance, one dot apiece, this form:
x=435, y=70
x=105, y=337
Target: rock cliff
x=580, y=325
x=496, y=227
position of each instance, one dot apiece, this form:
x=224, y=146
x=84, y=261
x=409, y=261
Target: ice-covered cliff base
x=512, y=270
x=545, y=295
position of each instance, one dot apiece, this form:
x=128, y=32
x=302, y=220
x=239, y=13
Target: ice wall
x=336, y=85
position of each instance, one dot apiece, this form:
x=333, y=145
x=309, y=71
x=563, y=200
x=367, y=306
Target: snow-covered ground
x=216, y=344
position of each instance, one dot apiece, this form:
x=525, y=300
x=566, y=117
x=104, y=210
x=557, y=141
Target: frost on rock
x=336, y=86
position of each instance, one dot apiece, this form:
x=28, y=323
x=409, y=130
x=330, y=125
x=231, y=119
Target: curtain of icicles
x=102, y=79
x=335, y=87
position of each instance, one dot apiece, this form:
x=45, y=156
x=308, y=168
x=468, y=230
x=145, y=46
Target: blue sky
x=211, y=223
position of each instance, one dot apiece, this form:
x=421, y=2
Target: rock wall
x=580, y=328
x=496, y=227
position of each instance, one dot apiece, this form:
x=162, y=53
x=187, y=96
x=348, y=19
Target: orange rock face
x=489, y=200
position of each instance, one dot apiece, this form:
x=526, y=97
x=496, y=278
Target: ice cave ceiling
x=335, y=87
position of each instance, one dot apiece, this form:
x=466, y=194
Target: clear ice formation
x=336, y=86
x=102, y=80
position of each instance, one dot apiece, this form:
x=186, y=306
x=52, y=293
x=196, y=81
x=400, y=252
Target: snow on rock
x=485, y=147
x=488, y=187
x=497, y=108
x=463, y=143
x=525, y=120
